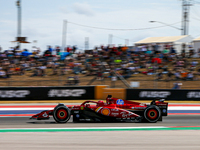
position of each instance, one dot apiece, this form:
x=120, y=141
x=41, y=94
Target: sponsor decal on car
x=45, y=114
x=97, y=110
x=138, y=107
x=115, y=114
x=164, y=110
x=114, y=109
x=120, y=102
x=126, y=114
x=84, y=119
x=105, y=111
x=142, y=104
x=160, y=104
x=75, y=108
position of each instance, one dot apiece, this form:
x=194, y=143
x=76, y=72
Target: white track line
x=94, y=128
x=184, y=108
x=46, y=108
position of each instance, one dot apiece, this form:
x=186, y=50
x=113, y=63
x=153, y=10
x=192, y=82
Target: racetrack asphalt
x=108, y=140
x=151, y=140
x=25, y=122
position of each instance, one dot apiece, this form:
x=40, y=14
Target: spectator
x=177, y=85
x=177, y=75
x=35, y=72
x=74, y=48
x=190, y=76
x=100, y=74
x=77, y=69
x=172, y=50
x=70, y=80
x=159, y=76
x=63, y=71
x=57, y=49
x=2, y=74
x=69, y=49
x=199, y=52
x=194, y=63
x=34, y=50
x=76, y=80
x=73, y=80
x=7, y=72
x=184, y=75
x=169, y=75
x=102, y=60
x=42, y=70
x=50, y=49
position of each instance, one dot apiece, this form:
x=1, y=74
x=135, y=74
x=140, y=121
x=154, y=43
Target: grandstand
x=147, y=64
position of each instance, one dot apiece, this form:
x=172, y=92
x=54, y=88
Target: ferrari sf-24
x=114, y=110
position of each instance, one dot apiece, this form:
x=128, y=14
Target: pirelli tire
x=61, y=113
x=152, y=114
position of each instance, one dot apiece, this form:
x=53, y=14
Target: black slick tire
x=61, y=113
x=152, y=114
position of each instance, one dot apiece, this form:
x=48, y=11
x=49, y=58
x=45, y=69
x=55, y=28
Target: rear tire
x=61, y=113
x=152, y=114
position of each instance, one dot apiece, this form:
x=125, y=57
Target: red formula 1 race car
x=114, y=110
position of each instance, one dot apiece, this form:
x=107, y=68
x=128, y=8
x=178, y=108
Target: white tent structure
x=196, y=44
x=177, y=41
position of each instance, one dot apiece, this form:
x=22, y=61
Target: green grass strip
x=94, y=129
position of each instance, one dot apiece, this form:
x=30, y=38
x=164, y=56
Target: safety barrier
x=118, y=93
x=94, y=92
x=149, y=94
x=47, y=93
x=172, y=94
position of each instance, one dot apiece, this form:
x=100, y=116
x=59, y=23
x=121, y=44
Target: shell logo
x=105, y=111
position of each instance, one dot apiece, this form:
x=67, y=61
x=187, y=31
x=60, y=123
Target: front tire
x=152, y=114
x=61, y=114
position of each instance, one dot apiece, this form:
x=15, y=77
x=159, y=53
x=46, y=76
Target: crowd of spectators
x=103, y=62
x=162, y=61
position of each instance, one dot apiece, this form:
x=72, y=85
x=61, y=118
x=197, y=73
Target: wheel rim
x=61, y=114
x=152, y=114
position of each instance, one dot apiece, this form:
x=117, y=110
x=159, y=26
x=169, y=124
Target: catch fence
x=143, y=84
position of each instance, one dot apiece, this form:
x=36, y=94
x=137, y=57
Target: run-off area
x=151, y=140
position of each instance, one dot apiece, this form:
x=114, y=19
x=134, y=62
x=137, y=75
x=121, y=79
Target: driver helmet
x=110, y=101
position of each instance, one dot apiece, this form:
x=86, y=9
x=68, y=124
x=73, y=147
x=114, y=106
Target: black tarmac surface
x=25, y=122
